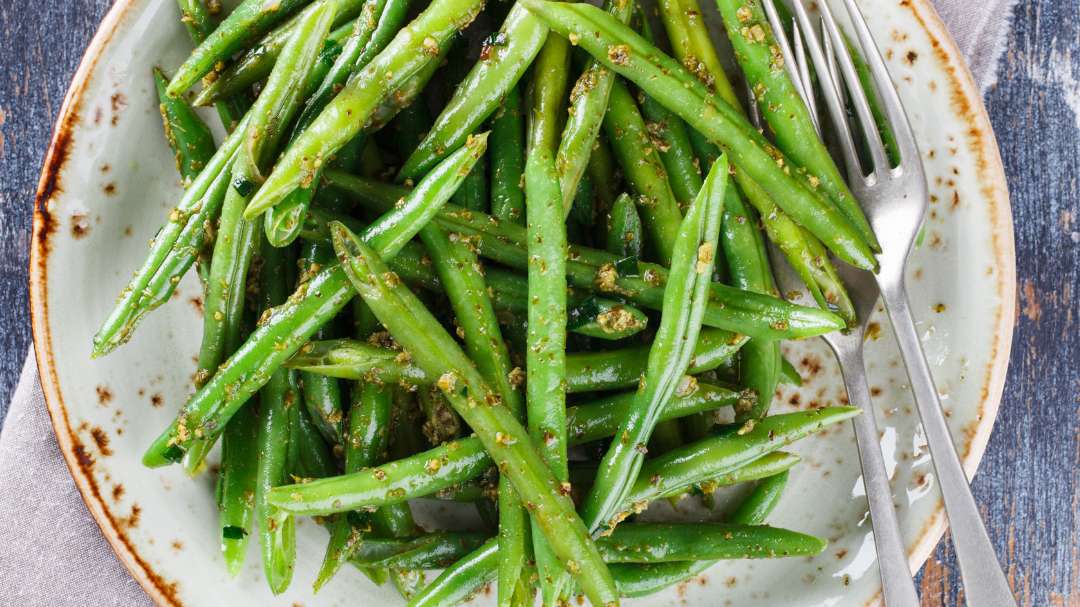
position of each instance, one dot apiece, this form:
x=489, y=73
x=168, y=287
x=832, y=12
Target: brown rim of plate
x=965, y=100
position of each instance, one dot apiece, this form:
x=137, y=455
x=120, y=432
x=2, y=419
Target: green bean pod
x=665, y=542
x=507, y=151
x=428, y=551
x=748, y=266
x=669, y=136
x=501, y=434
x=346, y=115
x=502, y=61
x=677, y=89
x=670, y=354
x=236, y=483
x=545, y=346
x=223, y=305
x=322, y=394
x=460, y=580
x=187, y=134
x=276, y=438
x=634, y=580
x=643, y=170
x=290, y=325
x=172, y=251
x=280, y=99
x=747, y=313
x=588, y=104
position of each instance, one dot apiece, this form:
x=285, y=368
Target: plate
x=109, y=182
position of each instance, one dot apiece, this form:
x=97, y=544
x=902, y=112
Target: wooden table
x=1029, y=481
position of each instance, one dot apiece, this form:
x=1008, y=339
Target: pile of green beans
x=554, y=320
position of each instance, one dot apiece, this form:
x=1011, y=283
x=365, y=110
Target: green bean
x=589, y=269
x=714, y=456
x=664, y=542
x=396, y=520
x=376, y=23
x=588, y=104
x=668, y=134
x=748, y=265
x=196, y=19
x=369, y=421
x=247, y=21
x=428, y=551
x=281, y=97
x=784, y=110
x=625, y=236
x=866, y=82
x=507, y=152
x=412, y=118
x=643, y=170
x=545, y=347
x=436, y=352
x=317, y=458
x=670, y=354
x=788, y=375
x=343, y=117
x=290, y=325
x=223, y=305
x=502, y=61
x=187, y=134
x=673, y=86
x=322, y=394
x=766, y=466
x=172, y=251
x=462, y=579
x=278, y=403
x=640, y=580
x=236, y=483
x=604, y=173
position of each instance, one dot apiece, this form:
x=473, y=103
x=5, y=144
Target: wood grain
x=1029, y=480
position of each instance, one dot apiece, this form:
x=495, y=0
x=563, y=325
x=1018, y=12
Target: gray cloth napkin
x=52, y=553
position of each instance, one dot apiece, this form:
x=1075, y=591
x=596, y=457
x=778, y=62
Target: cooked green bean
x=588, y=104
x=187, y=134
x=665, y=542
x=643, y=170
x=236, y=483
x=428, y=551
x=173, y=249
x=670, y=354
x=507, y=150
x=748, y=267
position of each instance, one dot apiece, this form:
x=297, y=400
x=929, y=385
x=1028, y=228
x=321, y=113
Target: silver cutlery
x=895, y=201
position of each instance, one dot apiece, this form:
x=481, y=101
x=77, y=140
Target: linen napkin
x=52, y=553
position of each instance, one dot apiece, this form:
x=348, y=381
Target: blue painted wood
x=1029, y=481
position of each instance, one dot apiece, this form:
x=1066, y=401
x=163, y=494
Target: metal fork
x=895, y=202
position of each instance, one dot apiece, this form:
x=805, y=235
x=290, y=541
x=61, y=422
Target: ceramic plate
x=109, y=182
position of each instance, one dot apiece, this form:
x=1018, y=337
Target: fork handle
x=984, y=581
x=897, y=587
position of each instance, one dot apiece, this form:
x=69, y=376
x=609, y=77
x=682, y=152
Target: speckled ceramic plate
x=109, y=182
